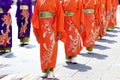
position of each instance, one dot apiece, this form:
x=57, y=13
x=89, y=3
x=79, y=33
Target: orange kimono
x=90, y=28
x=113, y=21
x=103, y=15
x=73, y=20
x=109, y=13
x=48, y=22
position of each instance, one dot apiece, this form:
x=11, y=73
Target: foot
x=51, y=75
x=72, y=60
x=89, y=52
x=48, y=76
x=2, y=52
x=23, y=44
x=44, y=76
x=89, y=49
x=7, y=51
x=111, y=28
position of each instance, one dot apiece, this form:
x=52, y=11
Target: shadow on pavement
x=56, y=79
x=51, y=79
x=28, y=46
x=95, y=55
x=8, y=55
x=79, y=67
x=101, y=47
x=114, y=31
x=117, y=27
x=2, y=76
x=111, y=35
x=107, y=41
x=4, y=65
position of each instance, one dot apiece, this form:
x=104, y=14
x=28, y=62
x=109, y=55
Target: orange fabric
x=47, y=29
x=106, y=15
x=103, y=22
x=78, y=18
x=98, y=18
x=73, y=44
x=113, y=21
x=90, y=28
x=109, y=5
x=115, y=3
x=109, y=11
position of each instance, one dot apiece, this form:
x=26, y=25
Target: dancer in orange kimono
x=90, y=28
x=73, y=10
x=48, y=22
x=103, y=15
x=113, y=21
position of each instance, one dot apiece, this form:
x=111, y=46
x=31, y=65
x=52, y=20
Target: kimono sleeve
x=30, y=8
x=115, y=3
x=60, y=18
x=109, y=6
x=78, y=17
x=98, y=12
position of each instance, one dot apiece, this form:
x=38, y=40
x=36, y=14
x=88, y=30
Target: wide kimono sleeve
x=98, y=9
x=78, y=17
x=5, y=5
x=115, y=3
x=109, y=6
x=35, y=21
x=60, y=17
x=60, y=22
x=18, y=9
x=30, y=8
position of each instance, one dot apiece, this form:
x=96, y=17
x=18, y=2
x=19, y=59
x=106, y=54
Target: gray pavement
x=102, y=64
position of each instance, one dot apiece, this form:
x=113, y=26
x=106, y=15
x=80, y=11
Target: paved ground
x=103, y=64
